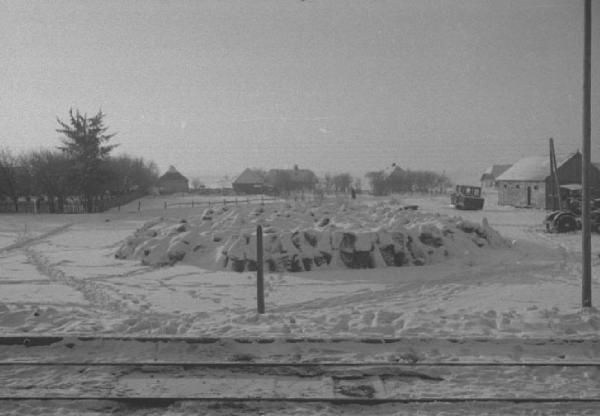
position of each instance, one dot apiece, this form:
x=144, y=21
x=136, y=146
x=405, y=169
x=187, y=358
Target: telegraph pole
x=260, y=280
x=586, y=242
x=556, y=201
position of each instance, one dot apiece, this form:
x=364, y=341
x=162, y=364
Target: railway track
x=132, y=372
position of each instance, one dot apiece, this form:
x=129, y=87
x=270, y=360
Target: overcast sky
x=332, y=85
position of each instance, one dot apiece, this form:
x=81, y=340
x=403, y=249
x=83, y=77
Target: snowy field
x=110, y=274
x=59, y=274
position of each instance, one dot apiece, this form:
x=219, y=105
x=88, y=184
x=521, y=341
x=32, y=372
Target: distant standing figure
x=353, y=193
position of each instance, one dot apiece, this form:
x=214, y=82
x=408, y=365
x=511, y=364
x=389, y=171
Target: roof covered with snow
x=494, y=171
x=533, y=168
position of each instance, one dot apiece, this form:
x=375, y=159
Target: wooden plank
x=268, y=382
x=207, y=349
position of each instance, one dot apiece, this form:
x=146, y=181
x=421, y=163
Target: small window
x=535, y=187
x=518, y=186
x=505, y=186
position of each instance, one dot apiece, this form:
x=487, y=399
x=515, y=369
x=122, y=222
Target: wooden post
x=260, y=289
x=586, y=241
x=139, y=205
x=165, y=204
x=556, y=201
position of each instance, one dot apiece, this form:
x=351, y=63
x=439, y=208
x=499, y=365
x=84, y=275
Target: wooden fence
x=68, y=207
x=224, y=201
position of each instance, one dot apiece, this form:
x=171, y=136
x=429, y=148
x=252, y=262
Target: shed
x=172, y=182
x=528, y=183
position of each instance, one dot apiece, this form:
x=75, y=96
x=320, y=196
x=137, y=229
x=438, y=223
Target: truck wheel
x=565, y=224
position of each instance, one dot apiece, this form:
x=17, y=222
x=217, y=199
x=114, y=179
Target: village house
x=172, y=182
x=285, y=180
x=488, y=179
x=250, y=181
x=529, y=183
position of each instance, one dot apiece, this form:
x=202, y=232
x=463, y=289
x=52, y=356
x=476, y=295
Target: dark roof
x=393, y=170
x=249, y=177
x=397, y=171
x=494, y=171
x=173, y=175
x=303, y=176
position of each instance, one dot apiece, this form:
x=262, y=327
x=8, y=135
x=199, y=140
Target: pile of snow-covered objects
x=302, y=237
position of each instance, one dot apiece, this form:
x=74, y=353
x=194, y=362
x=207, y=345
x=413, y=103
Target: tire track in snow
x=24, y=241
x=114, y=311
x=91, y=291
x=540, y=236
x=398, y=294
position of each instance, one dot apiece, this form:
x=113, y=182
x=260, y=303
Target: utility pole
x=260, y=280
x=556, y=201
x=586, y=239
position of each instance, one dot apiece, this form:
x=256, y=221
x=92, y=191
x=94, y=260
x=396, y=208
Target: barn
x=528, y=183
x=250, y=181
x=172, y=182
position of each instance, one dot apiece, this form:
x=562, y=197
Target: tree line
x=80, y=168
x=400, y=180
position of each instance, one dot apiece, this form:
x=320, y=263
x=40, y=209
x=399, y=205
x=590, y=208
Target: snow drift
x=302, y=237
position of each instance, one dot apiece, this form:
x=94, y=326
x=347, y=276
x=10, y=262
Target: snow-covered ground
x=493, y=274
x=59, y=274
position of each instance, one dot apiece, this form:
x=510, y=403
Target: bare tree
x=51, y=177
x=12, y=177
x=342, y=182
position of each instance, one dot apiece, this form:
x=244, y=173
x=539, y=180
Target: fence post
x=260, y=289
x=165, y=204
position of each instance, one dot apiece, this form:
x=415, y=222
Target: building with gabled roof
x=488, y=178
x=250, y=181
x=285, y=180
x=529, y=183
x=173, y=181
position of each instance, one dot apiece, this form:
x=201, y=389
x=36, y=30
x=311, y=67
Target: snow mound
x=303, y=237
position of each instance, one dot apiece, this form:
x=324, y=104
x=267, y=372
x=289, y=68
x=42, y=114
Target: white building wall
x=515, y=193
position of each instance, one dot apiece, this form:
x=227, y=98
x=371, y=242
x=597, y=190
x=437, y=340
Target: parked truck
x=467, y=197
